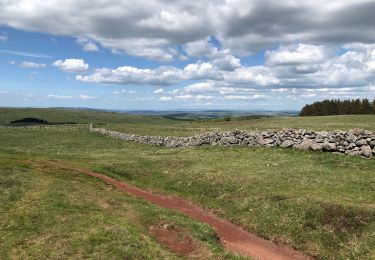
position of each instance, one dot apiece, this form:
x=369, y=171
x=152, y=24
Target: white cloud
x=131, y=75
x=159, y=91
x=65, y=97
x=225, y=61
x=244, y=98
x=186, y=97
x=203, y=70
x=86, y=97
x=296, y=54
x=202, y=87
x=252, y=76
x=153, y=27
x=165, y=98
x=28, y=64
x=87, y=45
x=199, y=48
x=26, y=54
x=71, y=65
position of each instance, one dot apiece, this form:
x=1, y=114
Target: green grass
x=195, y=127
x=320, y=203
x=50, y=213
x=154, y=125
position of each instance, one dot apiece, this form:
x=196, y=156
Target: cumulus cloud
x=33, y=65
x=130, y=75
x=295, y=66
x=71, y=65
x=309, y=46
x=202, y=87
x=152, y=28
x=296, y=54
x=199, y=48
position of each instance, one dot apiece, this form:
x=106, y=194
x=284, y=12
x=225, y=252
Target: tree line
x=339, y=107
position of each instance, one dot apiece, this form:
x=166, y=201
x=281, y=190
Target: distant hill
x=211, y=114
x=63, y=115
x=73, y=115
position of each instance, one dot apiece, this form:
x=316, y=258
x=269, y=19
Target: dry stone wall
x=353, y=142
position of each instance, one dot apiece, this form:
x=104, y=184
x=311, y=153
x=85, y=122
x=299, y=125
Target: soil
x=233, y=237
x=175, y=239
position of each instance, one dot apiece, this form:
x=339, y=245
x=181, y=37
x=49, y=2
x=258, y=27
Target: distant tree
x=338, y=107
x=29, y=121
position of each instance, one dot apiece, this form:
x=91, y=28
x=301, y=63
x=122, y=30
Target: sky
x=183, y=54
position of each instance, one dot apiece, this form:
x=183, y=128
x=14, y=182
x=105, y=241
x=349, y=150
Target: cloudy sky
x=159, y=54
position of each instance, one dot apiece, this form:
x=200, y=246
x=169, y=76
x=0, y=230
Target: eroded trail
x=233, y=237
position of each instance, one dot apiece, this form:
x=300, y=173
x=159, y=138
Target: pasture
x=321, y=204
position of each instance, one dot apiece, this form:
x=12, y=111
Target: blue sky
x=154, y=55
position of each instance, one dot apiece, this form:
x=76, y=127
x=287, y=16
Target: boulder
x=287, y=143
x=304, y=145
x=322, y=134
x=353, y=152
x=316, y=146
x=329, y=147
x=366, y=151
x=361, y=142
x=264, y=141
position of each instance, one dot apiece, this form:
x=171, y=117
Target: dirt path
x=233, y=237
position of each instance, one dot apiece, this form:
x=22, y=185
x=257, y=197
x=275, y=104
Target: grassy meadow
x=160, y=127
x=322, y=204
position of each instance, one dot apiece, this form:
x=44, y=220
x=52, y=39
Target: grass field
x=320, y=203
x=51, y=213
x=190, y=128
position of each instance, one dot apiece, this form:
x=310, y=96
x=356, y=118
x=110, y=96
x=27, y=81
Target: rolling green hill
x=81, y=116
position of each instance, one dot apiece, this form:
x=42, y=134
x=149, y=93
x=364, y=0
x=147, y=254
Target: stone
x=267, y=141
x=322, y=134
x=366, y=151
x=287, y=143
x=353, y=153
x=316, y=146
x=329, y=147
x=304, y=145
x=361, y=142
x=355, y=142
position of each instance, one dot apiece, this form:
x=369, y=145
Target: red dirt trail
x=233, y=237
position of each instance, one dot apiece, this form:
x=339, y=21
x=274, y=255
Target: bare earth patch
x=175, y=239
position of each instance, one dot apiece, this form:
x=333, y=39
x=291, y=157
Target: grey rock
x=322, y=134
x=329, y=147
x=354, y=142
x=361, y=142
x=316, y=146
x=366, y=151
x=304, y=145
x=287, y=143
x=353, y=153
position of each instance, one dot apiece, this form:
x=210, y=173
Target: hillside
x=81, y=116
